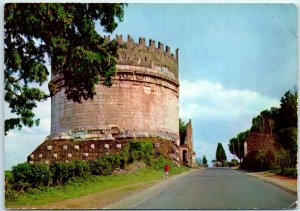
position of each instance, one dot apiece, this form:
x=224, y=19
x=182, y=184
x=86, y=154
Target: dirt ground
x=285, y=182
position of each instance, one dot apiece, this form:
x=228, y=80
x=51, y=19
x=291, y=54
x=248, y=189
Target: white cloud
x=218, y=114
x=211, y=101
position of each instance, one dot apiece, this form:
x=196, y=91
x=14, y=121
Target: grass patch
x=80, y=187
x=291, y=172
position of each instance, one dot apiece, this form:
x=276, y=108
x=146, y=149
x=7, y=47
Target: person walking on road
x=166, y=168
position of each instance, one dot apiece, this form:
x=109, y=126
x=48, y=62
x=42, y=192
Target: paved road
x=219, y=188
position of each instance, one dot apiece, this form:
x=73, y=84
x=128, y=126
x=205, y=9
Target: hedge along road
x=212, y=188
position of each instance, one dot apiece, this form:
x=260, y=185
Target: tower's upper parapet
x=139, y=54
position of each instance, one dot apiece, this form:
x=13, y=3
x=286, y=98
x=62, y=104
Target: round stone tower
x=142, y=102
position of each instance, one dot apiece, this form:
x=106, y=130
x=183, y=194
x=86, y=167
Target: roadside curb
x=146, y=194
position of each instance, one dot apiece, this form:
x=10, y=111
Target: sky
x=235, y=60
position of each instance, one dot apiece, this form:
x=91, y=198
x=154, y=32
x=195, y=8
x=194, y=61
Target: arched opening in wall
x=184, y=156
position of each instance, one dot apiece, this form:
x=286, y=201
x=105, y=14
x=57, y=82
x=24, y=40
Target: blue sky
x=235, y=60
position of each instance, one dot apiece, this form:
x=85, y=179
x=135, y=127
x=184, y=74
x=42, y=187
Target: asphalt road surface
x=219, y=188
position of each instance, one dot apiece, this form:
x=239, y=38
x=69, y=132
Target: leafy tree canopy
x=220, y=153
x=265, y=121
x=287, y=113
x=64, y=33
x=236, y=145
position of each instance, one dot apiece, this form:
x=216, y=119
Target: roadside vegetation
x=279, y=124
x=38, y=184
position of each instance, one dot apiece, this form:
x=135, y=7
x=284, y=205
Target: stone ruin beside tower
x=142, y=103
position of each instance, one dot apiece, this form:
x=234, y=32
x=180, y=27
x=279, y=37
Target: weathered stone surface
x=187, y=155
x=143, y=97
x=165, y=147
x=141, y=103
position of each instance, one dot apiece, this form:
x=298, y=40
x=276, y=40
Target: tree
x=287, y=124
x=220, y=153
x=287, y=113
x=236, y=145
x=182, y=131
x=265, y=121
x=288, y=140
x=204, y=160
x=64, y=33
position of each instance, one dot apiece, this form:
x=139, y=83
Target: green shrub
x=61, y=173
x=100, y=166
x=114, y=160
x=141, y=150
x=290, y=172
x=226, y=164
x=258, y=160
x=79, y=168
x=41, y=175
x=159, y=163
x=31, y=176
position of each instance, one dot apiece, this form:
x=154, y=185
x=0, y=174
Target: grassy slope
x=72, y=190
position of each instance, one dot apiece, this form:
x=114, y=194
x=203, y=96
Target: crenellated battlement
x=139, y=54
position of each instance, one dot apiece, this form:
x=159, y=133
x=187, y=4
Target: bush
x=115, y=160
x=141, y=150
x=160, y=162
x=226, y=164
x=259, y=160
x=290, y=172
x=100, y=166
x=234, y=162
x=41, y=175
x=61, y=173
x=31, y=176
x=79, y=168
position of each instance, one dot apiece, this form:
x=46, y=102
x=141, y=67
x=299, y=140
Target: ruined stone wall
x=66, y=150
x=187, y=146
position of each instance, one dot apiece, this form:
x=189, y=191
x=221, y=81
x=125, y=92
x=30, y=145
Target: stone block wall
x=187, y=154
x=68, y=150
x=130, y=105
